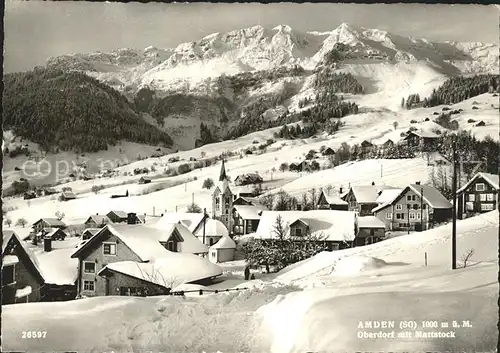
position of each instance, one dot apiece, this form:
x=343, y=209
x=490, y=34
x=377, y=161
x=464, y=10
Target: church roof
x=223, y=175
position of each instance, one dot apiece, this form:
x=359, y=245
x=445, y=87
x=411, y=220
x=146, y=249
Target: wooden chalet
x=478, y=195
x=22, y=279
x=423, y=140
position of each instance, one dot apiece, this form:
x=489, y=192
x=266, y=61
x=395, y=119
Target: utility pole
x=204, y=218
x=421, y=209
x=454, y=210
x=381, y=169
x=192, y=198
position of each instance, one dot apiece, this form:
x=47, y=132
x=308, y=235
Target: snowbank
x=354, y=264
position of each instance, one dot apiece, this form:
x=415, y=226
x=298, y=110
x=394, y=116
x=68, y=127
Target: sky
x=36, y=31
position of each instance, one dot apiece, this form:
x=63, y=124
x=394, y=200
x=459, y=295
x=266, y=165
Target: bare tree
x=467, y=255
x=21, y=222
x=157, y=277
x=60, y=215
x=279, y=228
x=314, y=197
x=268, y=201
x=8, y=222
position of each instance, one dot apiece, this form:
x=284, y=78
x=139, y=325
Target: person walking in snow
x=247, y=273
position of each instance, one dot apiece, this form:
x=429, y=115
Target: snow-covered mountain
x=259, y=48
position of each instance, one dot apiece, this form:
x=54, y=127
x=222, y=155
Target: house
x=28, y=195
x=59, y=269
x=67, y=196
x=222, y=251
x=370, y=230
x=53, y=234
x=89, y=233
x=134, y=218
x=422, y=139
x=363, y=198
x=304, y=166
x=246, y=218
x=123, y=259
x=117, y=216
x=43, y=223
x=328, y=152
x=480, y=194
x=49, y=191
x=335, y=228
x=328, y=201
x=97, y=221
x=245, y=200
x=22, y=279
x=366, y=146
x=388, y=144
x=144, y=180
x=248, y=178
x=417, y=207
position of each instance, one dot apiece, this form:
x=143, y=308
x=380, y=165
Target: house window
x=480, y=187
x=211, y=241
x=418, y=215
x=415, y=206
x=398, y=215
x=298, y=232
x=335, y=246
x=482, y=197
x=9, y=275
x=89, y=267
x=388, y=215
x=424, y=206
x=413, y=197
x=408, y=198
x=412, y=215
x=490, y=197
x=372, y=232
x=109, y=248
x=217, y=203
x=487, y=207
x=399, y=207
x=89, y=286
x=469, y=206
x=472, y=197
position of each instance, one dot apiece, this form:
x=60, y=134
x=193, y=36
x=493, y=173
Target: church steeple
x=223, y=175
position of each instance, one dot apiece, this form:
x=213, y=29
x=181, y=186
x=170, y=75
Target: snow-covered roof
x=58, y=267
x=169, y=271
x=370, y=222
x=92, y=231
x=430, y=195
x=334, y=199
x=190, y=243
x=368, y=193
x=69, y=195
x=7, y=236
x=121, y=214
x=224, y=243
x=99, y=219
x=190, y=220
x=249, y=211
x=331, y=224
x=213, y=227
x=53, y=222
x=20, y=293
x=10, y=260
x=491, y=179
x=423, y=133
x=388, y=195
x=52, y=232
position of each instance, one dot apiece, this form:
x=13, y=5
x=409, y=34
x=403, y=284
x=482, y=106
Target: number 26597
x=34, y=334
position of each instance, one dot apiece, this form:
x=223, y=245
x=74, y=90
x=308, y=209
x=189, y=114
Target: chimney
x=417, y=183
x=340, y=190
x=47, y=244
x=131, y=217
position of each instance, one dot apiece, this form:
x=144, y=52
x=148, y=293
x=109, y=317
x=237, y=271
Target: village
x=129, y=254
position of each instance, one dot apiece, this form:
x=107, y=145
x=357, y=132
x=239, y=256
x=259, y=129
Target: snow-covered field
x=313, y=306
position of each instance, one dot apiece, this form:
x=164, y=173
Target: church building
x=222, y=200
